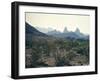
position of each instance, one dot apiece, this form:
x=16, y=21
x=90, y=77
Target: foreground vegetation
x=51, y=52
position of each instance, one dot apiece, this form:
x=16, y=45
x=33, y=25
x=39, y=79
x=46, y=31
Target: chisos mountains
x=69, y=34
x=53, y=50
x=65, y=34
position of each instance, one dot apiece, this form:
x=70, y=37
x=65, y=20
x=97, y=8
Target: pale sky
x=59, y=21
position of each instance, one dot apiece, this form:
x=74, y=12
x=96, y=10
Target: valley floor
x=53, y=52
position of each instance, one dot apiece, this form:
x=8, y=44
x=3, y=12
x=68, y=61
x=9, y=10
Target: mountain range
x=68, y=34
x=32, y=31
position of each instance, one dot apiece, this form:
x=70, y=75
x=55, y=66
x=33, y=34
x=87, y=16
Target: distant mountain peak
x=77, y=30
x=65, y=30
x=54, y=32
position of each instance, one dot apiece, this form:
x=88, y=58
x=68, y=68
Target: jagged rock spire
x=65, y=30
x=77, y=30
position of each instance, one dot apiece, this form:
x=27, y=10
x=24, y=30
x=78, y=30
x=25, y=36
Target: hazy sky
x=59, y=21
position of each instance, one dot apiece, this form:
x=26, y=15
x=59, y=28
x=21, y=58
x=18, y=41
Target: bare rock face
x=65, y=30
x=77, y=31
